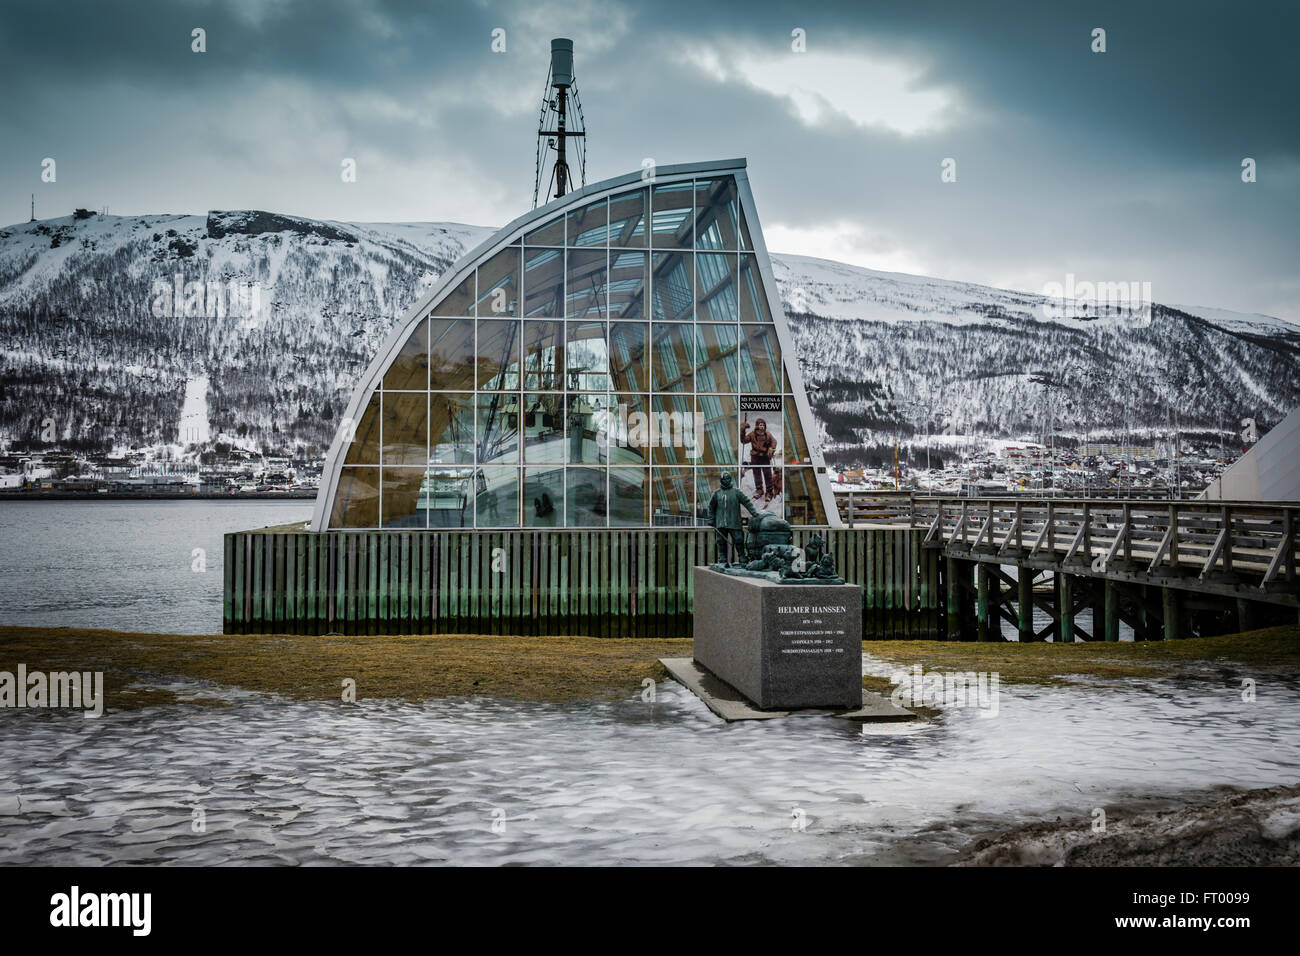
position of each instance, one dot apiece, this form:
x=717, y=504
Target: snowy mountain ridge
x=887, y=353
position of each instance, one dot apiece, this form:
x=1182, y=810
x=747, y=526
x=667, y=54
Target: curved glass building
x=599, y=362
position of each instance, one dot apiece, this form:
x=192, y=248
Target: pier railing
x=1207, y=539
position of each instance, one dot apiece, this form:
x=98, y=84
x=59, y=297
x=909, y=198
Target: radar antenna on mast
x=560, y=120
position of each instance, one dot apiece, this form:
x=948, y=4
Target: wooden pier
x=1167, y=569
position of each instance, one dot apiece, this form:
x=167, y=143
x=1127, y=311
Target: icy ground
x=487, y=781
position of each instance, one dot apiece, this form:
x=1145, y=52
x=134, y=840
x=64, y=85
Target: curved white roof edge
x=503, y=237
x=1269, y=471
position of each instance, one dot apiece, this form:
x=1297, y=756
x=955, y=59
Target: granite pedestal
x=783, y=646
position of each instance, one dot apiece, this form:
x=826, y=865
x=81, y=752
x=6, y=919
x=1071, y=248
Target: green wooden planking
x=478, y=578
x=392, y=546
x=283, y=579
x=639, y=604
x=357, y=598
x=609, y=583
x=405, y=623
x=492, y=584
x=564, y=621
x=368, y=577
x=600, y=576
x=309, y=592
x=343, y=605
x=227, y=581
x=288, y=606
x=554, y=559
x=381, y=580
x=348, y=574
x=255, y=585
x=440, y=577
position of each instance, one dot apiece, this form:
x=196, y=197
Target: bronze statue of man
x=726, y=519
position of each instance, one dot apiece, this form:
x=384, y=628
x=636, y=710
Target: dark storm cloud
x=1124, y=165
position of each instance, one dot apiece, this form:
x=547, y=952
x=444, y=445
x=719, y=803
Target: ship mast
x=560, y=120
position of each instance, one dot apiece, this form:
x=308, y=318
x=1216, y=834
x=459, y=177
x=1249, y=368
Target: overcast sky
x=1115, y=166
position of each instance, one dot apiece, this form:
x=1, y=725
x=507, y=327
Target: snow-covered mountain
x=94, y=338
x=897, y=354
x=89, y=344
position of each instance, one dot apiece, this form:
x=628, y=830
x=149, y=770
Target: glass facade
x=602, y=370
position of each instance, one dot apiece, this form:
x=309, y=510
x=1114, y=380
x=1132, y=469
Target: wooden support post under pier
x=1172, y=606
x=1025, y=599
x=1246, y=616
x=953, y=571
x=984, y=623
x=1065, y=607
x=1111, y=611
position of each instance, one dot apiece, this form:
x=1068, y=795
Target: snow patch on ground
x=194, y=426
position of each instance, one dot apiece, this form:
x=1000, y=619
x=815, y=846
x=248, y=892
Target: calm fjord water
x=124, y=565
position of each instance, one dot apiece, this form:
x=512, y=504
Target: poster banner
x=761, y=451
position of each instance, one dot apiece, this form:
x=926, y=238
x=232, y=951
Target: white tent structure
x=1270, y=471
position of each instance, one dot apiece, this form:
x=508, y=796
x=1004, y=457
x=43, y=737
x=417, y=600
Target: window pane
x=497, y=432
x=715, y=213
x=627, y=285
x=629, y=430
x=672, y=492
x=406, y=436
x=586, y=356
x=543, y=497
x=673, y=434
x=587, y=225
x=586, y=505
x=451, y=354
x=498, y=285
x=627, y=358
x=498, y=354
x=753, y=303
x=627, y=219
x=803, y=504
x=448, y=497
x=548, y=234
x=544, y=283
x=364, y=447
x=744, y=229
x=410, y=368
x=356, y=503
x=451, y=428
x=460, y=301
x=587, y=428
x=673, y=359
x=721, y=429
x=544, y=355
x=543, y=429
x=760, y=359
x=715, y=287
x=671, y=216
x=674, y=286
x=715, y=358
x=628, y=497
x=796, y=447
x=496, y=497
x=588, y=278
x=402, y=501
